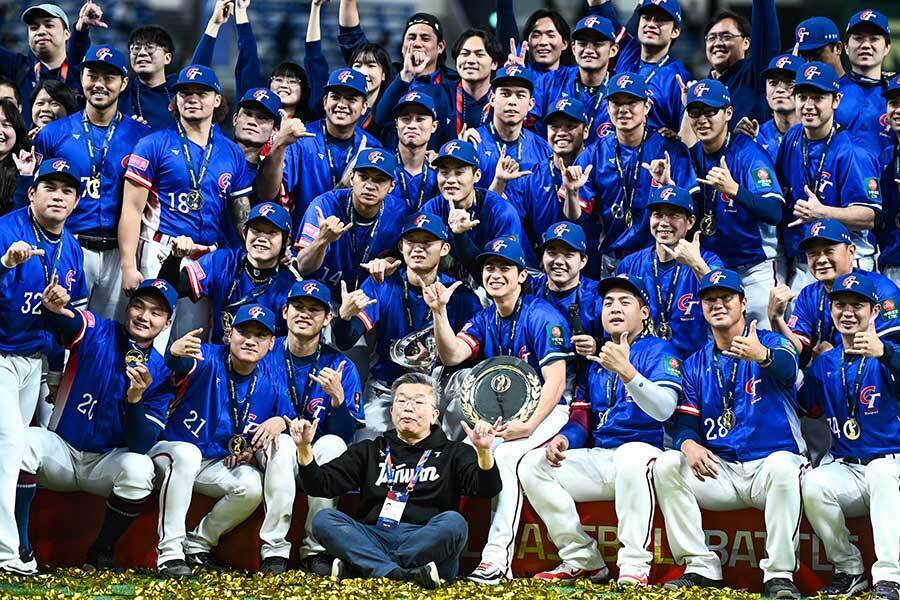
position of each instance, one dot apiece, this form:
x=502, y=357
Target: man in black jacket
x=410, y=480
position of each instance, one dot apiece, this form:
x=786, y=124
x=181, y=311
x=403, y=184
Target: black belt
x=97, y=243
x=856, y=460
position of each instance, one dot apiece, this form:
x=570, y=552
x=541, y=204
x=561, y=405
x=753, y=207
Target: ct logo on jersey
x=256, y=312
x=700, y=89
x=70, y=278
x=686, y=304
x=623, y=81
x=825, y=181
x=103, y=53
x=605, y=129
x=345, y=76
x=867, y=397
x=193, y=73
x=315, y=407
x=224, y=181
x=729, y=202
x=750, y=388
x=810, y=72
x=801, y=34
x=261, y=95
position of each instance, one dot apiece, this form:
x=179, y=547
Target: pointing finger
x=319, y=215
x=340, y=368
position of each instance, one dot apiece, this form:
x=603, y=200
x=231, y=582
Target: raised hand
x=303, y=432
x=779, y=298
x=331, y=228
x=748, y=347
x=139, y=379
x=90, y=15
x=508, y=168
x=615, y=357
x=221, y=12
x=182, y=246
x=867, y=343
x=55, y=298
x=379, y=268
x=483, y=434
x=720, y=178
x=291, y=130
x=459, y=221
x=188, y=346
x=748, y=126
x=437, y=295
x=131, y=279
x=516, y=56
x=267, y=433
x=686, y=252
x=18, y=253
x=574, y=177
x=25, y=161
x=353, y=303
x=469, y=134
x=584, y=344
x=684, y=87
x=660, y=169
x=330, y=381
x=555, y=451
x=414, y=63
x=807, y=210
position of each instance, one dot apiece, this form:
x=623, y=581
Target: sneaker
x=319, y=564
x=425, y=576
x=487, y=573
x=175, y=568
x=337, y=568
x=204, y=560
x=100, y=559
x=844, y=584
x=780, y=588
x=28, y=559
x=627, y=580
x=887, y=590
x=273, y=565
x=692, y=580
x=17, y=567
x=567, y=572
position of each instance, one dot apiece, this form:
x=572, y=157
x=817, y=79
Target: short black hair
x=562, y=26
x=490, y=44
x=743, y=24
x=152, y=34
x=57, y=90
x=17, y=94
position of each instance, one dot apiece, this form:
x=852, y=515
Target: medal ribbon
x=726, y=393
x=407, y=306
x=665, y=303
x=404, y=186
x=598, y=96
x=461, y=108
x=373, y=231
x=631, y=184
x=300, y=405
x=196, y=178
x=336, y=178
x=96, y=164
x=857, y=384
x=239, y=410
x=824, y=325
x=506, y=145
x=709, y=200
x=804, y=148
x=63, y=71
x=389, y=469
x=511, y=338
x=656, y=68
x=39, y=235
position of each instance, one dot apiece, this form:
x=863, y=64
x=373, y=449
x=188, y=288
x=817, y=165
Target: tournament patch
x=762, y=178
x=555, y=335
x=138, y=162
x=673, y=366
x=888, y=309
x=872, y=191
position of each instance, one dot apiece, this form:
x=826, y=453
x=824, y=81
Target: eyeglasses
x=417, y=402
x=292, y=81
x=149, y=47
x=725, y=37
x=707, y=111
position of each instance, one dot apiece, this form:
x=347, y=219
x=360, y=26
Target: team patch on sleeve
x=673, y=366
x=888, y=309
x=762, y=177
x=138, y=162
x=872, y=189
x=555, y=336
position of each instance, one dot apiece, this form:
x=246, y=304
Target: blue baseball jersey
x=89, y=412
x=150, y=103
x=586, y=294
x=312, y=402
x=769, y=137
x=873, y=391
x=889, y=231
x=415, y=190
x=540, y=334
x=315, y=165
x=360, y=244
x=497, y=218
x=740, y=238
x=390, y=320
x=604, y=188
x=811, y=318
x=550, y=86
x=157, y=163
x=22, y=328
x=849, y=177
x=862, y=112
x=673, y=293
x=529, y=150
x=222, y=277
x=765, y=408
x=65, y=138
x=655, y=359
x=201, y=414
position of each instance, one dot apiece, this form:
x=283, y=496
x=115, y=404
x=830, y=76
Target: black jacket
x=450, y=472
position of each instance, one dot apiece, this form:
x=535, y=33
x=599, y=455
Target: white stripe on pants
x=499, y=548
x=624, y=474
x=103, y=274
x=280, y=490
x=770, y=484
x=183, y=470
x=834, y=491
x=20, y=383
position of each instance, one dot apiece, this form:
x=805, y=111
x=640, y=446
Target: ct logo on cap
x=781, y=62
x=60, y=165
x=256, y=312
x=850, y=281
x=513, y=70
x=867, y=15
x=192, y=73
x=623, y=81
x=810, y=72
x=816, y=228
x=376, y=157
x=345, y=75
x=266, y=209
x=261, y=95
x=103, y=53
x=801, y=34
x=451, y=147
x=716, y=277
x=311, y=287
x=591, y=21
x=498, y=245
x=563, y=103
x=667, y=193
x=561, y=229
x=700, y=89
x=411, y=97
x=421, y=220
x=160, y=285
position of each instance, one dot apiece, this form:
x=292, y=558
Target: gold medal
x=134, y=358
x=194, y=200
x=727, y=419
x=629, y=219
x=92, y=188
x=706, y=225
x=238, y=444
x=664, y=331
x=227, y=320
x=852, y=430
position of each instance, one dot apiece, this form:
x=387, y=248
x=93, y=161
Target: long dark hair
x=380, y=55
x=9, y=174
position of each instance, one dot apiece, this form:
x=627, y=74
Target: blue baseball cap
x=593, y=26
x=672, y=7
x=161, y=288
x=870, y=17
x=826, y=229
x=311, y=288
x=106, y=55
x=459, y=151
x=783, y=63
x=818, y=76
x=415, y=98
x=570, y=107
x=265, y=98
x=570, y=234
x=709, y=92
x=624, y=281
x=815, y=33
x=629, y=84
x=892, y=86
x=854, y=283
x=255, y=313
x=513, y=76
x=274, y=213
x=44, y=10
x=377, y=159
x=721, y=279
x=507, y=247
x=199, y=75
x=428, y=223
x=349, y=79
x=671, y=195
x=58, y=168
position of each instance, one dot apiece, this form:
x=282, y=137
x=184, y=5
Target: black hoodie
x=450, y=472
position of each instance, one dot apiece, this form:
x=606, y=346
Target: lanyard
x=336, y=178
x=553, y=179
x=239, y=409
x=137, y=93
x=823, y=323
x=404, y=186
x=300, y=405
x=857, y=384
x=461, y=106
x=709, y=199
x=373, y=231
x=631, y=184
x=258, y=288
x=196, y=178
x=727, y=394
x=89, y=140
x=507, y=348
x=39, y=236
x=389, y=469
x=407, y=305
x=63, y=71
x=804, y=149
x=598, y=97
x=506, y=145
x=656, y=68
x=665, y=303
